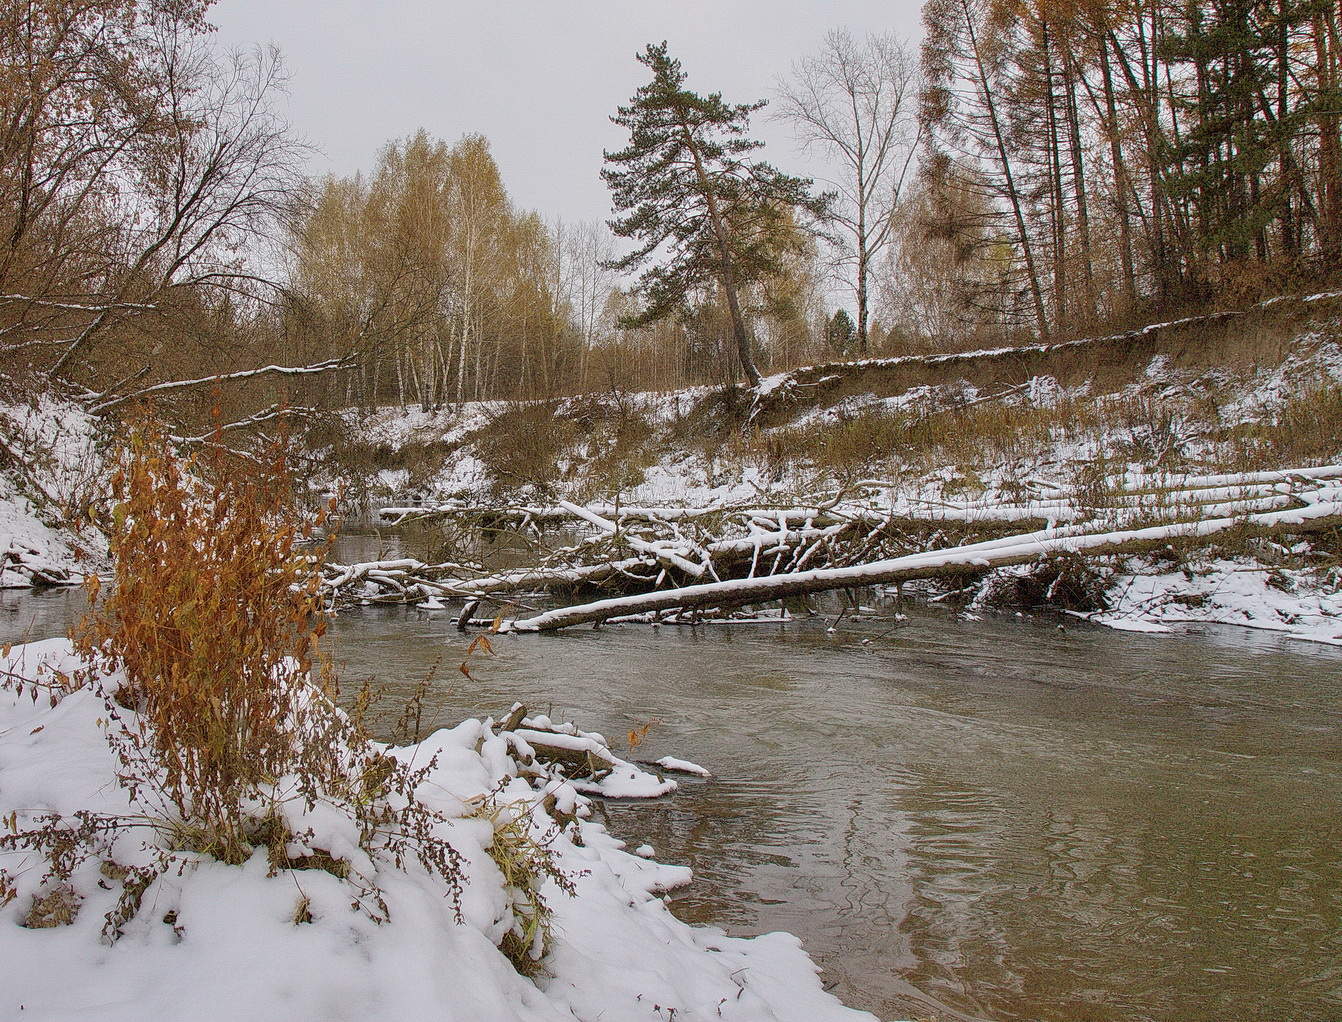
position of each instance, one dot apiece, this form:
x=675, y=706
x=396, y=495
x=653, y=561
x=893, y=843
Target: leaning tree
x=703, y=212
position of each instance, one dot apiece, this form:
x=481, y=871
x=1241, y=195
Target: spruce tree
x=841, y=332
x=702, y=211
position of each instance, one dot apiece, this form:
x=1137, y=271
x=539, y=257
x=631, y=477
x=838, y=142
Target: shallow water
x=963, y=819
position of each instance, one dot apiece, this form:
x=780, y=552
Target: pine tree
x=1243, y=118
x=841, y=332
x=686, y=186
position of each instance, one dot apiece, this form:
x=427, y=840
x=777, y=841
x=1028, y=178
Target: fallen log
x=662, y=552
x=574, y=753
x=999, y=553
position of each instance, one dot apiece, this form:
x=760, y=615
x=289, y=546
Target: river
x=962, y=819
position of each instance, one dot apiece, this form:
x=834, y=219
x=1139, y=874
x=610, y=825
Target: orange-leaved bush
x=203, y=651
x=211, y=624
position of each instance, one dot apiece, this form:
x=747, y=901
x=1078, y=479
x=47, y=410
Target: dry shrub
x=522, y=445
x=201, y=651
x=1066, y=581
x=212, y=621
x=525, y=863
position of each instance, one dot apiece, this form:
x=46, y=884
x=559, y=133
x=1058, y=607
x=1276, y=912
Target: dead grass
x=525, y=864
x=1306, y=430
x=878, y=440
x=57, y=907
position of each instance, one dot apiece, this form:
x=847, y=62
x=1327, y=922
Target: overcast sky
x=539, y=78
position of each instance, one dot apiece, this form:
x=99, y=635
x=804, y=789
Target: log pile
x=690, y=561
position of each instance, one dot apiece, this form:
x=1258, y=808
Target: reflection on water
x=996, y=819
x=30, y=614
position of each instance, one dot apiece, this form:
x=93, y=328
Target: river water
x=993, y=819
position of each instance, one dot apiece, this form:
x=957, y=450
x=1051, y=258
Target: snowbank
x=215, y=942
x=1229, y=592
x=52, y=467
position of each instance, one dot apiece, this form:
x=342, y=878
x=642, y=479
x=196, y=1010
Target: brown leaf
x=480, y=642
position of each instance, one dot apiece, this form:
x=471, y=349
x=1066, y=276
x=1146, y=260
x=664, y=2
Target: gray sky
x=539, y=78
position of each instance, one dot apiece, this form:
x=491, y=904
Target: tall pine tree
x=702, y=211
x=1235, y=161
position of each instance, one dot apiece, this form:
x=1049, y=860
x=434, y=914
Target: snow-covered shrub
x=55, y=453
x=203, y=653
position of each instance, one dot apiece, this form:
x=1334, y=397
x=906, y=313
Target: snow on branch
x=265, y=415
x=970, y=557
x=159, y=388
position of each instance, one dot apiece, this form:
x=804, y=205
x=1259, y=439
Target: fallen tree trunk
x=1148, y=492
x=665, y=552
x=999, y=553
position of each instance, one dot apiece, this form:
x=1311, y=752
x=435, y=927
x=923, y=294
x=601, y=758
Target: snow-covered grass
x=206, y=940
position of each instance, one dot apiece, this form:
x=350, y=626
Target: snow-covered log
x=971, y=557
x=642, y=548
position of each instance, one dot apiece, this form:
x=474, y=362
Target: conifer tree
x=840, y=332
x=687, y=190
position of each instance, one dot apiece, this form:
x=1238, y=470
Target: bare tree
x=858, y=103
x=139, y=172
x=583, y=280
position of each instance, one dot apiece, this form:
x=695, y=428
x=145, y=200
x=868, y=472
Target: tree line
x=1037, y=168
x=1089, y=159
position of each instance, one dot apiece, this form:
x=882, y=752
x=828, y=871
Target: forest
x=1030, y=170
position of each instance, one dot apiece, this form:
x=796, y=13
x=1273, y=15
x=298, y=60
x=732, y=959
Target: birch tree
x=856, y=103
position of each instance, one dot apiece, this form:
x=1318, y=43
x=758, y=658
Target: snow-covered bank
x=1178, y=422
x=1228, y=592
x=1207, y=405
x=51, y=470
x=216, y=941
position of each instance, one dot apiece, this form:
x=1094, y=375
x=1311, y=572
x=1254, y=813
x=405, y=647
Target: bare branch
x=320, y=367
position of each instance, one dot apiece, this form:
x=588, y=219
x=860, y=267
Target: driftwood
x=652, y=549
x=708, y=562
x=1014, y=550
x=574, y=755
